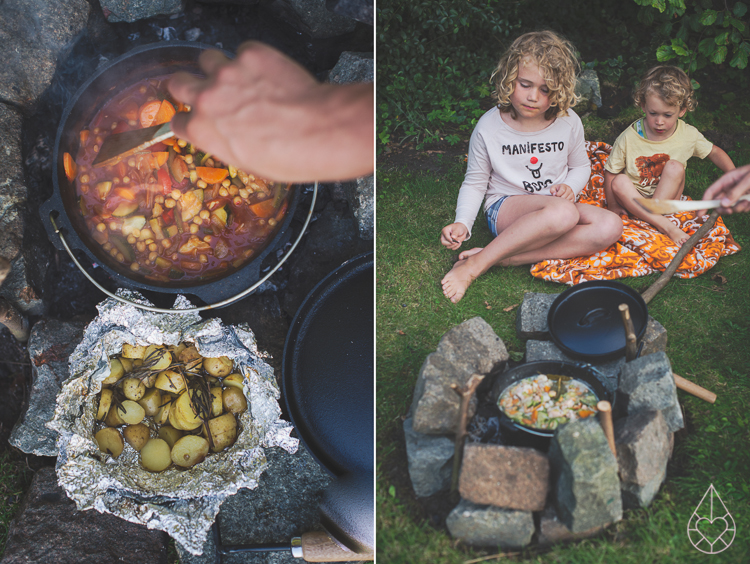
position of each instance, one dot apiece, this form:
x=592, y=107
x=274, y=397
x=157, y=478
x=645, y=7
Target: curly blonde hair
x=557, y=63
x=670, y=83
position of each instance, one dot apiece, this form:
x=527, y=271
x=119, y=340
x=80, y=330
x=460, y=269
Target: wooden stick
x=605, y=419
x=695, y=389
x=4, y=270
x=16, y=323
x=652, y=290
x=631, y=340
x=317, y=546
x=466, y=394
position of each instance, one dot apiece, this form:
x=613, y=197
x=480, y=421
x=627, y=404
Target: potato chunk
x=189, y=451
x=136, y=435
x=110, y=441
x=218, y=367
x=155, y=455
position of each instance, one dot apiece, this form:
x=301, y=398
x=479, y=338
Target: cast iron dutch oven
x=516, y=434
x=143, y=62
x=585, y=322
x=327, y=381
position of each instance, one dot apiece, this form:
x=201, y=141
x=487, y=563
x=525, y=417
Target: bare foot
x=468, y=252
x=677, y=235
x=619, y=210
x=457, y=281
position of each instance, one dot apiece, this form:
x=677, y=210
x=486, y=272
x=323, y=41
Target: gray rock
x=553, y=531
x=50, y=344
x=480, y=525
x=360, y=10
x=134, y=10
x=430, y=461
x=13, y=191
x=33, y=34
x=284, y=505
x=18, y=290
x=587, y=86
x=507, y=477
x=531, y=319
x=654, y=339
x=643, y=449
x=360, y=195
x=312, y=17
x=586, y=488
x=469, y=348
x=646, y=383
x=547, y=350
x=353, y=67
x=48, y=528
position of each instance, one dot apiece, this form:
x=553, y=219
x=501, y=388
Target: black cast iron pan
x=147, y=61
x=327, y=383
x=585, y=322
x=516, y=434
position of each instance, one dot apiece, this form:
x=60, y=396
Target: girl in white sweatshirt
x=531, y=144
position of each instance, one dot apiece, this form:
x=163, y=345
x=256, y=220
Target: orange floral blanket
x=642, y=249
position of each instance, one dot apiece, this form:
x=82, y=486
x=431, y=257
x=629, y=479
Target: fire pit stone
x=468, y=348
x=430, y=460
x=312, y=17
x=644, y=445
x=12, y=188
x=134, y=10
x=586, y=487
x=503, y=476
x=552, y=530
x=646, y=383
x=531, y=319
x=483, y=525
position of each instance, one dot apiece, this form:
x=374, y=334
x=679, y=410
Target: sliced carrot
x=585, y=413
x=126, y=193
x=161, y=158
x=165, y=113
x=263, y=209
x=211, y=175
x=84, y=136
x=70, y=166
x=148, y=112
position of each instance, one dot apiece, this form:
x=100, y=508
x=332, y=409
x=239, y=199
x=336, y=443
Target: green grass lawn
x=708, y=326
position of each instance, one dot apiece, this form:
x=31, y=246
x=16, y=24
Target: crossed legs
x=531, y=229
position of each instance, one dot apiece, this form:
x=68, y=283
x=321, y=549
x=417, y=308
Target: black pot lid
x=585, y=321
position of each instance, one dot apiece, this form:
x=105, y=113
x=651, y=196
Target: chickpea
x=210, y=162
x=237, y=201
x=114, y=126
x=204, y=214
x=131, y=239
x=189, y=159
x=153, y=247
x=226, y=182
x=148, y=241
x=197, y=220
x=132, y=123
x=112, y=226
x=131, y=163
x=272, y=222
x=96, y=130
x=84, y=179
x=159, y=199
x=166, y=243
x=194, y=228
x=169, y=203
x=137, y=234
x=254, y=186
x=99, y=139
x=244, y=193
x=115, y=180
x=107, y=246
x=207, y=239
x=175, y=194
x=201, y=184
x=182, y=143
x=223, y=192
x=145, y=234
x=175, y=256
x=126, y=180
x=261, y=222
x=251, y=177
x=152, y=256
x=202, y=258
x=134, y=266
x=120, y=257
x=113, y=252
x=84, y=188
x=101, y=227
x=233, y=190
x=141, y=246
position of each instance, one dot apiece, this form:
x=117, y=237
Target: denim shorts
x=491, y=214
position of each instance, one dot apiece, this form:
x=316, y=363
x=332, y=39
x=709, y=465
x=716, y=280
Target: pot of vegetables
x=533, y=399
x=170, y=218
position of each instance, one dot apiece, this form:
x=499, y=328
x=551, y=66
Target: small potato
x=174, y=421
x=170, y=381
x=133, y=413
x=127, y=364
x=136, y=435
x=234, y=400
x=189, y=451
x=115, y=373
x=184, y=414
x=151, y=402
x=223, y=431
x=150, y=380
x=133, y=388
x=162, y=416
x=175, y=350
x=218, y=367
x=217, y=401
x=113, y=418
x=155, y=455
x=133, y=351
x=110, y=441
x=163, y=355
x=105, y=402
x=188, y=353
x=234, y=379
x=170, y=434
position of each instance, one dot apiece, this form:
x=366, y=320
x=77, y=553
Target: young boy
x=648, y=159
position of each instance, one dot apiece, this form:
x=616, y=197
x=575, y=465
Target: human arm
x=728, y=189
x=264, y=113
x=579, y=164
x=453, y=235
x=474, y=187
x=720, y=158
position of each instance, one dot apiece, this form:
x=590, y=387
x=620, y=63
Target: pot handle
x=45, y=212
x=192, y=309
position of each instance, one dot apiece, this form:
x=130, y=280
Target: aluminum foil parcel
x=182, y=502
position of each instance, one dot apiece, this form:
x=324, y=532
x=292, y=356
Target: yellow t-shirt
x=643, y=160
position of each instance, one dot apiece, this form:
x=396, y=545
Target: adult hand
x=265, y=114
x=728, y=189
x=563, y=191
x=453, y=235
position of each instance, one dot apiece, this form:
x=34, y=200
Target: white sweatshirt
x=506, y=162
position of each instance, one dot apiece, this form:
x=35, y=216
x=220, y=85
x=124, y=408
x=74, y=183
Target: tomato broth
x=172, y=212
